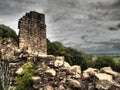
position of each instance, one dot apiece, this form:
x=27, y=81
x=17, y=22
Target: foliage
x=117, y=66
x=1, y=86
x=73, y=56
x=24, y=81
x=104, y=61
x=7, y=32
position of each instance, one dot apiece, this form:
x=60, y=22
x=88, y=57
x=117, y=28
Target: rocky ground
x=56, y=74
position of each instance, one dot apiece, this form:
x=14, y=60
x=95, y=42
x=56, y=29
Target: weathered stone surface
x=36, y=86
x=86, y=76
x=48, y=87
x=104, y=76
x=61, y=87
x=50, y=72
x=76, y=69
x=66, y=65
x=103, y=85
x=74, y=83
x=109, y=70
x=59, y=61
x=91, y=71
x=36, y=78
x=104, y=81
x=20, y=71
x=32, y=34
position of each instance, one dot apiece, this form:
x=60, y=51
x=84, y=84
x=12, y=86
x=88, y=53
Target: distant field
x=116, y=58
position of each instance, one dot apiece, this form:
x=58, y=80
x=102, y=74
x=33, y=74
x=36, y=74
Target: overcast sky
x=88, y=25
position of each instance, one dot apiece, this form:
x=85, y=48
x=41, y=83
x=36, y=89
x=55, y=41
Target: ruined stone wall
x=32, y=33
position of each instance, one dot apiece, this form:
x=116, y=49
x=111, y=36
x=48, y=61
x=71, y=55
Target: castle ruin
x=32, y=33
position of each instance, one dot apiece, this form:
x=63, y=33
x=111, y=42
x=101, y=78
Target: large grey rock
x=20, y=71
x=89, y=72
x=51, y=72
x=59, y=61
x=36, y=82
x=86, y=76
x=61, y=87
x=48, y=87
x=66, y=65
x=36, y=78
x=103, y=81
x=75, y=69
x=109, y=70
x=74, y=83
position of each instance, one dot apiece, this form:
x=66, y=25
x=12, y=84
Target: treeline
x=7, y=32
x=75, y=57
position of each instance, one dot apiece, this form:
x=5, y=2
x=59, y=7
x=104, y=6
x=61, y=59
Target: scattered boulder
x=36, y=78
x=85, y=76
x=66, y=65
x=59, y=61
x=89, y=73
x=20, y=71
x=109, y=70
x=73, y=83
x=50, y=72
x=48, y=87
x=61, y=87
x=76, y=69
x=103, y=81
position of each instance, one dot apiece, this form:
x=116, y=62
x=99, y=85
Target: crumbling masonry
x=32, y=33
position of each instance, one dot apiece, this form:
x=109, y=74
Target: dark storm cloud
x=117, y=3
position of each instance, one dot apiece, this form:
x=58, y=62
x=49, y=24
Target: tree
x=104, y=61
x=73, y=56
x=7, y=32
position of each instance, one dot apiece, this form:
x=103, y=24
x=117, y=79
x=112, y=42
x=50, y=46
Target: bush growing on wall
x=24, y=81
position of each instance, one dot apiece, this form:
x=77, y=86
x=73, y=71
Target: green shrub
x=24, y=81
x=73, y=56
x=117, y=67
x=104, y=61
x=1, y=88
x=7, y=32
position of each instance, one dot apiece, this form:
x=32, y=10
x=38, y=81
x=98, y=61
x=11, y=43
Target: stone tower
x=32, y=33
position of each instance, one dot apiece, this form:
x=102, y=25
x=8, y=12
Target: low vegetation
x=1, y=86
x=7, y=32
x=24, y=81
x=73, y=56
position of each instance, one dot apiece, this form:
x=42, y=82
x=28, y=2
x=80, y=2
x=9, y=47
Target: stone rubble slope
x=56, y=74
